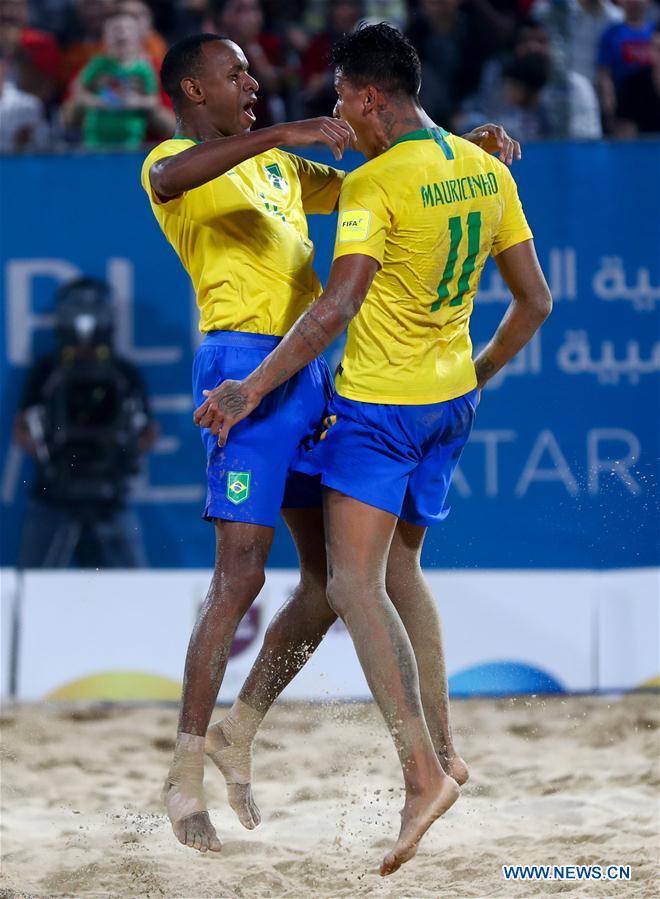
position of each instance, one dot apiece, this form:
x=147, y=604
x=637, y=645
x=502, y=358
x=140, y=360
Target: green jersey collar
x=436, y=134
x=184, y=137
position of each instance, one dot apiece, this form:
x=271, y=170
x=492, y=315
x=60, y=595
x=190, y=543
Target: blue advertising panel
x=561, y=470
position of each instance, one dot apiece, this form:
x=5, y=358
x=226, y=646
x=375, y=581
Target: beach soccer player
x=234, y=208
x=416, y=225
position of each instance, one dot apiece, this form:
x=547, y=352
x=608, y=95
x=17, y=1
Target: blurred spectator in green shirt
x=117, y=91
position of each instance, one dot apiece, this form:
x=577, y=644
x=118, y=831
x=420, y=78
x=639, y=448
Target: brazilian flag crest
x=276, y=178
x=238, y=486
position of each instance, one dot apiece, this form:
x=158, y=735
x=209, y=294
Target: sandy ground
x=553, y=781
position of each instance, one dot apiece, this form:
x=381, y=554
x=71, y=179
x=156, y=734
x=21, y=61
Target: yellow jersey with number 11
x=243, y=239
x=430, y=210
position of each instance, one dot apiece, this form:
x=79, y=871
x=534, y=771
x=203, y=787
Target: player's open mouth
x=247, y=109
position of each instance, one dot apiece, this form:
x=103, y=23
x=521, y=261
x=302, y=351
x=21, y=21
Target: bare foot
x=455, y=767
x=419, y=813
x=194, y=830
x=234, y=760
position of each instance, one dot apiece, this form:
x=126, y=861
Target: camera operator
x=85, y=419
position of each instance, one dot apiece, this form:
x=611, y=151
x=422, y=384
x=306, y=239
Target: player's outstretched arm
x=173, y=175
x=231, y=402
x=531, y=304
x=494, y=139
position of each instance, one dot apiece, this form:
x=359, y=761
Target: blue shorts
x=249, y=480
x=397, y=458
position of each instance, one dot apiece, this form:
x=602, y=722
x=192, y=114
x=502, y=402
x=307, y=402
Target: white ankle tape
x=186, y=776
x=229, y=743
x=242, y=723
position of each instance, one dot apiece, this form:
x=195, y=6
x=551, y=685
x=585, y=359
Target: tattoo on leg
x=407, y=667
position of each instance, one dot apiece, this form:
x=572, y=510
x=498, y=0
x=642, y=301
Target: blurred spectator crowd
x=85, y=72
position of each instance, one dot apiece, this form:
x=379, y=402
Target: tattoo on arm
x=484, y=367
x=318, y=321
x=282, y=375
x=313, y=333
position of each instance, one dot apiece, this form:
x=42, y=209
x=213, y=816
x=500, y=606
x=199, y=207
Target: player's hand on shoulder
x=334, y=133
x=224, y=406
x=494, y=139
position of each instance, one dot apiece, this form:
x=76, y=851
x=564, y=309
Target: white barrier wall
x=123, y=635
x=629, y=629
x=111, y=634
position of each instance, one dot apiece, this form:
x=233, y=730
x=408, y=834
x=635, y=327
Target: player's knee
x=249, y=581
x=240, y=582
x=338, y=596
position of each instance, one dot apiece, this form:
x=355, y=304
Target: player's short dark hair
x=182, y=60
x=379, y=55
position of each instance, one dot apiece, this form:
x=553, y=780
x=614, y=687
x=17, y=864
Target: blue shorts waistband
x=241, y=339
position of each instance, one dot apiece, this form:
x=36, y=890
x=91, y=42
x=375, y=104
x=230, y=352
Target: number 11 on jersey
x=455, y=238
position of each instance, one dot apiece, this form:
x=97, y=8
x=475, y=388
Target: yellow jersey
x=430, y=210
x=243, y=237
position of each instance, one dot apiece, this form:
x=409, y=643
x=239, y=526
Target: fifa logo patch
x=238, y=486
x=354, y=224
x=276, y=178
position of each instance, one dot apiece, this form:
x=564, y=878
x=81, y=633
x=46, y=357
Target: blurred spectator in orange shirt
x=161, y=119
x=92, y=15
x=33, y=56
x=154, y=45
